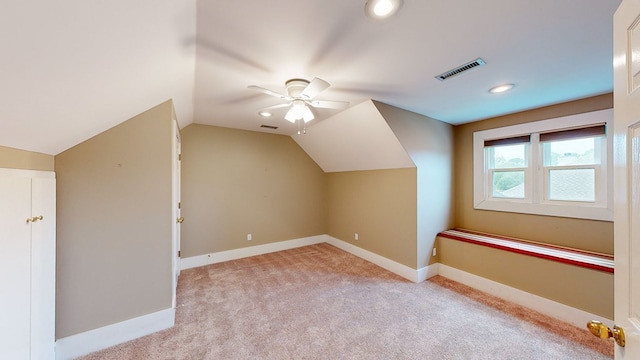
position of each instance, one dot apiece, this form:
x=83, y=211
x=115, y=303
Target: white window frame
x=488, y=187
x=536, y=201
x=600, y=171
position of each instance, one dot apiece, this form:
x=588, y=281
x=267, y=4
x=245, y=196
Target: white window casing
x=536, y=200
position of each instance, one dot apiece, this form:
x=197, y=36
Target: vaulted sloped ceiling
x=358, y=138
x=72, y=69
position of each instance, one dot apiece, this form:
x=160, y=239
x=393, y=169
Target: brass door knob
x=180, y=220
x=602, y=331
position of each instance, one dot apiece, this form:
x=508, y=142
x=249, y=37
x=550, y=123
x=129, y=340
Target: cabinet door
x=15, y=267
x=43, y=268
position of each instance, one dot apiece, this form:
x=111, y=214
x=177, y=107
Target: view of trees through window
x=570, y=152
x=568, y=174
x=508, y=182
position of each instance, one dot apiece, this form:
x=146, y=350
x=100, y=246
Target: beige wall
x=581, y=288
x=21, y=159
x=114, y=224
x=236, y=182
x=397, y=213
x=379, y=205
x=577, y=233
x=429, y=143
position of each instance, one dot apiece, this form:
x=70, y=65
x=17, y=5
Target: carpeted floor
x=319, y=302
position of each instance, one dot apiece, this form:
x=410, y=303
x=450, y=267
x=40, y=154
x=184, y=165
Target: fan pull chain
x=304, y=127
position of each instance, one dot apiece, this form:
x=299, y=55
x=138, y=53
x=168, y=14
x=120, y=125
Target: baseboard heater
x=587, y=259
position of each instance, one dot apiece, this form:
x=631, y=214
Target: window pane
x=572, y=184
x=509, y=156
x=508, y=184
x=571, y=152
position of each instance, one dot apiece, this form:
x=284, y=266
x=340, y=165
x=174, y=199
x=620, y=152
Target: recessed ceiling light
x=501, y=88
x=265, y=114
x=382, y=9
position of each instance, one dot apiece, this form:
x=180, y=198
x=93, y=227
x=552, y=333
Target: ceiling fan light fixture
x=307, y=115
x=299, y=111
x=382, y=9
x=290, y=116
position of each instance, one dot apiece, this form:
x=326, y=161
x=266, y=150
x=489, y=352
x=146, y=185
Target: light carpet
x=319, y=302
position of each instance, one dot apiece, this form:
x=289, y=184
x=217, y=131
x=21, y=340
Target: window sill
x=545, y=209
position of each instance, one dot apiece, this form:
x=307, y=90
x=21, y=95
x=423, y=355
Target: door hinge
x=179, y=205
x=178, y=253
x=179, y=157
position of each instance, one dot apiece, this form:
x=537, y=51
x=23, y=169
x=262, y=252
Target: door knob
x=180, y=220
x=602, y=331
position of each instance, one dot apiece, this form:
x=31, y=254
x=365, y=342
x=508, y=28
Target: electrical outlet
x=434, y=251
x=248, y=237
x=355, y=236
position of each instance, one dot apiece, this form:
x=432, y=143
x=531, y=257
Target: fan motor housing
x=296, y=86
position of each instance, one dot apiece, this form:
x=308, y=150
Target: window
x=554, y=167
x=507, y=167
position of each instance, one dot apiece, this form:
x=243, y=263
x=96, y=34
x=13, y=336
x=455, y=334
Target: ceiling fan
x=300, y=97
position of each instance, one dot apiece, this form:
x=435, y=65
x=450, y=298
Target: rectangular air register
x=460, y=69
x=269, y=127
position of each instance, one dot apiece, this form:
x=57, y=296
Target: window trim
x=538, y=205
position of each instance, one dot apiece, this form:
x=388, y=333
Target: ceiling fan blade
x=326, y=104
x=276, y=106
x=269, y=92
x=315, y=87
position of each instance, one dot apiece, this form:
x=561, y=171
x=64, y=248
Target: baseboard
x=214, y=258
x=545, y=306
x=87, y=342
x=385, y=263
x=428, y=272
x=395, y=267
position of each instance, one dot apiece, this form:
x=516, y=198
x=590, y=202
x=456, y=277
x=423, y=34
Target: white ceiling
x=72, y=68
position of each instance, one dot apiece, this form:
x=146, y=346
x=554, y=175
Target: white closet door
x=15, y=263
x=43, y=269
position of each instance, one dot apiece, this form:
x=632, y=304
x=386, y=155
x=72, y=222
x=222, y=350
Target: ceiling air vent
x=468, y=66
x=269, y=127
